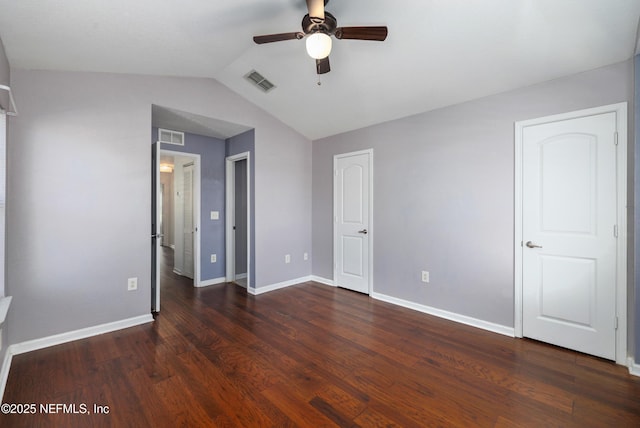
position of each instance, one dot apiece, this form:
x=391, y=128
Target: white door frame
x=620, y=111
x=196, y=209
x=230, y=208
x=370, y=229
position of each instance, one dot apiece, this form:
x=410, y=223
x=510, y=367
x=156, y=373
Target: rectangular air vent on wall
x=170, y=137
x=259, y=81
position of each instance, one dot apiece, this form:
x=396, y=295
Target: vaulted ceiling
x=438, y=52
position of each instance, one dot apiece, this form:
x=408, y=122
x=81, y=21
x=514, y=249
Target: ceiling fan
x=318, y=26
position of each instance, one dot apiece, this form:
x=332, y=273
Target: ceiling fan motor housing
x=328, y=26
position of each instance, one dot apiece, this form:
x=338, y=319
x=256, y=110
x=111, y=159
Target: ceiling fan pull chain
x=319, y=82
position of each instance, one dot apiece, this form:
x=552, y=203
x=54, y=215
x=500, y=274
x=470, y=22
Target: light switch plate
x=215, y=215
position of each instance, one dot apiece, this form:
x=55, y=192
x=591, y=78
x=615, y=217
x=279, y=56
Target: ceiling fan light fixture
x=318, y=45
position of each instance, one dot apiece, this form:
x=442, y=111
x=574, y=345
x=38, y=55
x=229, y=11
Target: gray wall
x=241, y=143
x=77, y=229
x=212, y=182
x=444, y=193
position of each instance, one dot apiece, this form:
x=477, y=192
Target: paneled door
x=352, y=221
x=569, y=233
x=156, y=232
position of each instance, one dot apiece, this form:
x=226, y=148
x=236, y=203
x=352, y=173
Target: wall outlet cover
x=132, y=284
x=425, y=276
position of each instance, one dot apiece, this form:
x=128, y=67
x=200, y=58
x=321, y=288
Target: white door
x=156, y=231
x=188, y=220
x=352, y=232
x=569, y=233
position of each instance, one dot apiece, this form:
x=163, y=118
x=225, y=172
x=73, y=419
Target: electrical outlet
x=132, y=284
x=287, y=258
x=306, y=256
x=214, y=258
x=425, y=276
x=215, y=215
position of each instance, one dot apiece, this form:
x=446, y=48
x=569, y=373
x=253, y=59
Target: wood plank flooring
x=315, y=356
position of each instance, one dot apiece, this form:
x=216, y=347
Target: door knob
x=532, y=245
x=363, y=231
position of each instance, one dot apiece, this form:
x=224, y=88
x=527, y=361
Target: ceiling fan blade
x=277, y=37
x=316, y=10
x=322, y=65
x=362, y=33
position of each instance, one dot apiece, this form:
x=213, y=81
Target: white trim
x=209, y=282
x=241, y=276
x=634, y=369
x=58, y=339
x=4, y=371
x=230, y=184
x=620, y=109
x=5, y=302
x=13, y=104
x=278, y=286
x=324, y=281
x=370, y=227
x=70, y=336
x=451, y=316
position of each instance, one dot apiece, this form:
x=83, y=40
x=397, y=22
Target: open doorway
x=179, y=177
x=238, y=208
x=176, y=211
x=213, y=140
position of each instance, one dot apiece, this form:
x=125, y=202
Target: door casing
x=620, y=109
x=230, y=248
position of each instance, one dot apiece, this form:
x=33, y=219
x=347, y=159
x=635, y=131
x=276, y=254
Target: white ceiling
x=438, y=52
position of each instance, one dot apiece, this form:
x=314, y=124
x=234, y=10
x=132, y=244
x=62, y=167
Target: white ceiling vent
x=170, y=137
x=258, y=80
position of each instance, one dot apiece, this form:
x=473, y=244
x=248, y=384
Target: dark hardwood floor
x=315, y=356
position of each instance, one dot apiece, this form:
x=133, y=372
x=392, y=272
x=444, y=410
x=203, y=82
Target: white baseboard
x=451, y=316
x=278, y=286
x=322, y=280
x=634, y=368
x=241, y=275
x=58, y=339
x=211, y=282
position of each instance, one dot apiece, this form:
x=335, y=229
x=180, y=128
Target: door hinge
x=615, y=323
x=615, y=138
x=615, y=231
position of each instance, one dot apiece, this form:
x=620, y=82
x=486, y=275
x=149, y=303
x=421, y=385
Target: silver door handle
x=532, y=245
x=363, y=231
x=159, y=235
